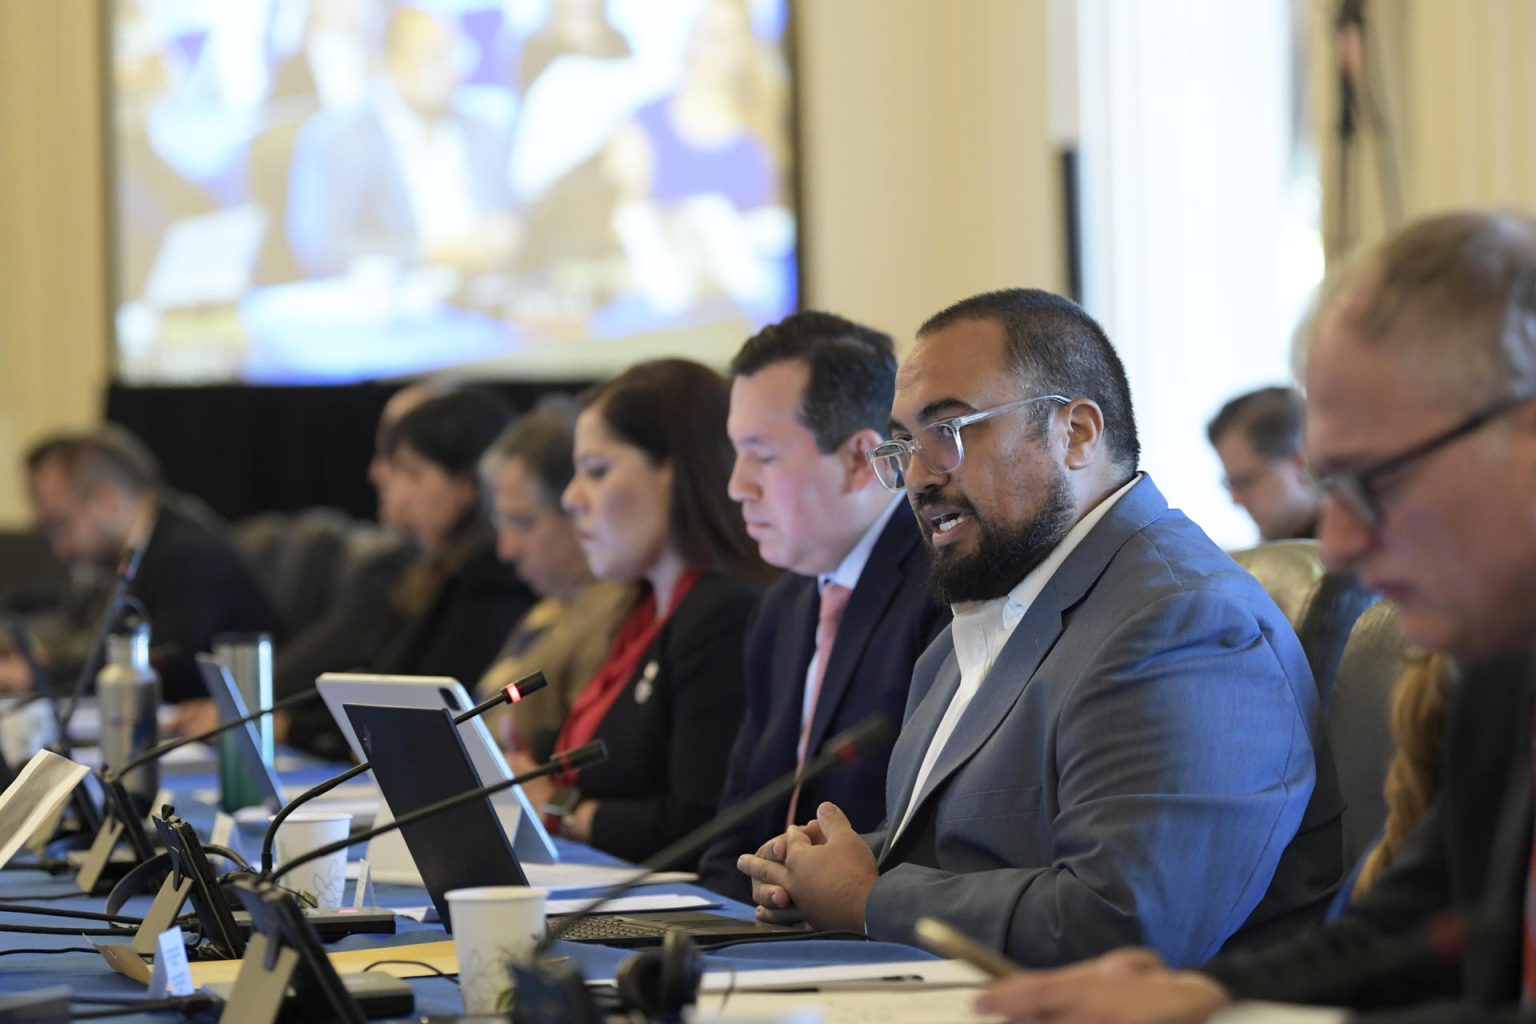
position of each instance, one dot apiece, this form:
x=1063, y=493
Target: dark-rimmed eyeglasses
x=1358, y=490
x=938, y=444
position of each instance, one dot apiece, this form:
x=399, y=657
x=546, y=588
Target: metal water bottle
x=128, y=695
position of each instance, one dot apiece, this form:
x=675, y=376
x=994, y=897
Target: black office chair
x=1359, y=723
x=1321, y=606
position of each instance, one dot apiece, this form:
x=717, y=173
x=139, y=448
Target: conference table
x=32, y=962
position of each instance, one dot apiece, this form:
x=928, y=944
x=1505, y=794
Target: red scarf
x=635, y=636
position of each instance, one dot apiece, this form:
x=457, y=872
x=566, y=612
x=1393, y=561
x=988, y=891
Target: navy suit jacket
x=1140, y=765
x=889, y=620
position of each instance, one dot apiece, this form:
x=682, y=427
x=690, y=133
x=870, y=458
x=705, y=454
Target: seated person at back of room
x=566, y=635
x=649, y=505
x=1257, y=436
x=94, y=495
x=460, y=600
x=810, y=397
x=1118, y=737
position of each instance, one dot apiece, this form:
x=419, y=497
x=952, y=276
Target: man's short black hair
x=1057, y=348
x=852, y=368
x=1270, y=418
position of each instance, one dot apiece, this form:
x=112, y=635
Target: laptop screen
x=459, y=848
x=246, y=740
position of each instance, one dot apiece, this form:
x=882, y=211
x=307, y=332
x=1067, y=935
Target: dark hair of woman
x=674, y=410
x=453, y=431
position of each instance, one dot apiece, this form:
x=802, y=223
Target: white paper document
x=566, y=876
x=34, y=799
x=622, y=905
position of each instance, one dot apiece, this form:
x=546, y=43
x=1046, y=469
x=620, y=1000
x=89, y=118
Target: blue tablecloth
x=88, y=974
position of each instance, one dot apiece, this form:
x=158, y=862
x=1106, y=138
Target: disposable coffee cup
x=494, y=926
x=325, y=880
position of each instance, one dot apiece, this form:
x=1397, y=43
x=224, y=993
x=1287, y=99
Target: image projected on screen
x=325, y=191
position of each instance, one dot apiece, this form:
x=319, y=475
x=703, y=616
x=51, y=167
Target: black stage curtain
x=245, y=449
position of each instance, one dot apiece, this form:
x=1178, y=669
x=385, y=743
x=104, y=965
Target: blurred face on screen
x=423, y=62
x=429, y=501
x=619, y=501
x=535, y=536
x=721, y=47
x=790, y=491
x=79, y=527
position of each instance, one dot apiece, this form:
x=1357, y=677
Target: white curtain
x=1199, y=220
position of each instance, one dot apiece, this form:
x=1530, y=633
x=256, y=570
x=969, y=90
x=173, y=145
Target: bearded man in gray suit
x=1118, y=739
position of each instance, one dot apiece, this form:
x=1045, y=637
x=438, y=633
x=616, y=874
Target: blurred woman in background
x=459, y=602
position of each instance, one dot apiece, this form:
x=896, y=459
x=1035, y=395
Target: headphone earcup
x=682, y=970
x=662, y=981
x=639, y=983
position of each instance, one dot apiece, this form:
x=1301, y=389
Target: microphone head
x=524, y=687
x=583, y=756
x=848, y=743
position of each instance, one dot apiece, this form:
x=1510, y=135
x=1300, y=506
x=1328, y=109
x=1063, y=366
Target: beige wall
x=53, y=347
x=928, y=171
x=1457, y=88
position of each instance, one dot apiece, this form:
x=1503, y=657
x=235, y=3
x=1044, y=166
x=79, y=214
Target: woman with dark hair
x=458, y=602
x=649, y=505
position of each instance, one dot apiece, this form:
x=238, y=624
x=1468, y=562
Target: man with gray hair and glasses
x=1421, y=430
x=1118, y=735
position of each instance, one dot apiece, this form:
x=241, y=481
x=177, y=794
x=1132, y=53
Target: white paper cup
x=323, y=880
x=493, y=926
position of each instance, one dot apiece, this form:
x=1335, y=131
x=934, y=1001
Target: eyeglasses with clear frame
x=1358, y=490
x=938, y=444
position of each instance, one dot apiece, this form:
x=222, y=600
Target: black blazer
x=1469, y=854
x=194, y=585
x=890, y=619
x=669, y=731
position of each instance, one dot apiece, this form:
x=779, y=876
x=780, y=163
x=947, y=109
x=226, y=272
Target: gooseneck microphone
x=842, y=748
x=161, y=749
x=512, y=693
x=563, y=761
x=127, y=569
x=661, y=988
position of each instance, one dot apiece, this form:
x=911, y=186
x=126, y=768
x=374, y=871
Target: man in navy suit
x=1118, y=735
x=809, y=398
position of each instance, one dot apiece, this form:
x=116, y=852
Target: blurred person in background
x=96, y=495
x=565, y=635
x=1257, y=436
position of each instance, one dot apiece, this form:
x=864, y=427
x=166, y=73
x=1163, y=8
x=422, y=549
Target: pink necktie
x=834, y=598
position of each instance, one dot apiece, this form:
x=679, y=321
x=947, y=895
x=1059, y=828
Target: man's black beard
x=1000, y=560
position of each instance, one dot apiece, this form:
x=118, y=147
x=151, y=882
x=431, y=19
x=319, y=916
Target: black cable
x=415, y=963
x=797, y=937
x=185, y=1004
x=41, y=929
x=49, y=865
x=57, y=949
x=730, y=988
x=83, y=915
x=72, y=895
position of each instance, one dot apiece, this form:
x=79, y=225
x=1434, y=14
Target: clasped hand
x=820, y=873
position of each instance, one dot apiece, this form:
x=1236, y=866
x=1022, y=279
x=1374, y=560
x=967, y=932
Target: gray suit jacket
x=1137, y=768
